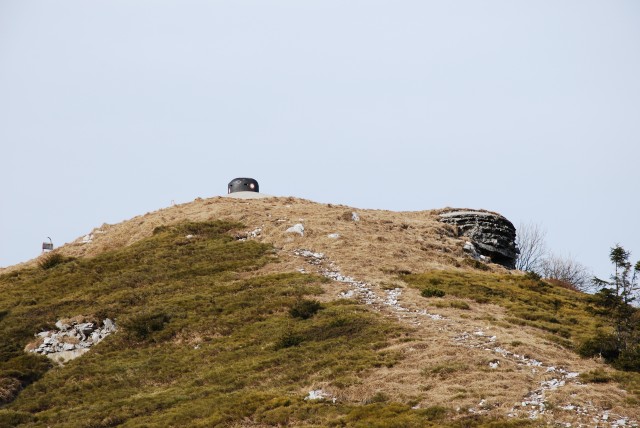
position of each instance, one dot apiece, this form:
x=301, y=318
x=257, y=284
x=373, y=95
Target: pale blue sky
x=110, y=109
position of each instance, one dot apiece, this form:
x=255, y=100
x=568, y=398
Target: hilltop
x=274, y=311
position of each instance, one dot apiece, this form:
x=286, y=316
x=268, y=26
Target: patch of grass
x=381, y=415
x=596, y=376
x=11, y=418
x=378, y=397
x=528, y=301
x=459, y=304
x=444, y=369
x=475, y=264
x=51, y=260
x=630, y=381
x=562, y=315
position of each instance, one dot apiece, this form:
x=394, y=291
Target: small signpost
x=47, y=246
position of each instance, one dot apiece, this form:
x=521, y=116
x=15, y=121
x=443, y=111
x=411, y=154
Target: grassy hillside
x=217, y=331
x=204, y=339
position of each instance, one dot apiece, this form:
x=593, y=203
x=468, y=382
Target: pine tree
x=615, y=297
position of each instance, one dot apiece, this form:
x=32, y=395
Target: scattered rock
x=360, y=289
x=333, y=235
x=296, y=228
x=319, y=394
x=243, y=236
x=312, y=257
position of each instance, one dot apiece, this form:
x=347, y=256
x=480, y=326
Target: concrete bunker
x=243, y=184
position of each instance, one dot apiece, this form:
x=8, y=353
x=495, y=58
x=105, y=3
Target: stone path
x=532, y=405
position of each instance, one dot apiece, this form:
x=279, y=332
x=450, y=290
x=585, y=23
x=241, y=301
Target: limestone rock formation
x=71, y=340
x=491, y=234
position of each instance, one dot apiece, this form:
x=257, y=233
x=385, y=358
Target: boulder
x=296, y=228
x=491, y=234
x=108, y=325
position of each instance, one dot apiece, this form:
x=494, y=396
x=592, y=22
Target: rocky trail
x=533, y=405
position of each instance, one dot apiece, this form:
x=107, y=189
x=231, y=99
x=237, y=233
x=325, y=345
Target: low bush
x=434, y=413
x=432, y=292
x=305, y=309
x=602, y=345
x=141, y=326
x=378, y=397
x=288, y=340
x=629, y=359
x=532, y=275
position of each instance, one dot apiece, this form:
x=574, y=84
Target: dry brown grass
x=392, y=241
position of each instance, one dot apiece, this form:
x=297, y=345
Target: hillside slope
x=217, y=325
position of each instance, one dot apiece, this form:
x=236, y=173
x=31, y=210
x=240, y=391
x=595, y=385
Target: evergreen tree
x=614, y=299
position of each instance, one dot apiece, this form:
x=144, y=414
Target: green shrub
x=434, y=413
x=532, y=275
x=435, y=281
x=604, y=345
x=142, y=326
x=629, y=359
x=378, y=397
x=288, y=340
x=432, y=292
x=305, y=309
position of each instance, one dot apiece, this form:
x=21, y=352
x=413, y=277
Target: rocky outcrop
x=71, y=340
x=491, y=235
